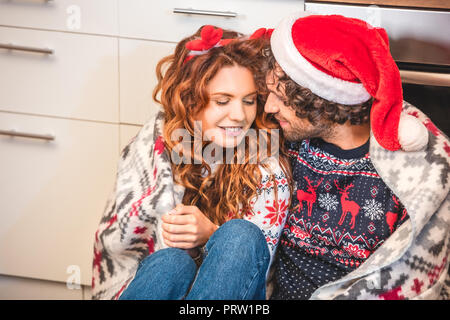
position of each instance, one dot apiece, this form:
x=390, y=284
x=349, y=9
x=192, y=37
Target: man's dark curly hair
x=308, y=105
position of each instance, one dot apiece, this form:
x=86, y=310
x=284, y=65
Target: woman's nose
x=237, y=112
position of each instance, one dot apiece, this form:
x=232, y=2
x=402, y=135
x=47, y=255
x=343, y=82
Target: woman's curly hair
x=308, y=105
x=182, y=87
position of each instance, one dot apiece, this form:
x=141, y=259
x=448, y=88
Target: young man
x=370, y=210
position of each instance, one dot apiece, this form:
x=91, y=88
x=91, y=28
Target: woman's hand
x=186, y=227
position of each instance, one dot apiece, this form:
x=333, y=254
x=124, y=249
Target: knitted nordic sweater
x=130, y=228
x=413, y=262
x=341, y=213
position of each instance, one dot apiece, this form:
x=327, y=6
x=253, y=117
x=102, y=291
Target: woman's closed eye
x=221, y=102
x=245, y=101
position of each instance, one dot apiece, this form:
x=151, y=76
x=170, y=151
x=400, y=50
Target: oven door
x=427, y=4
x=419, y=43
x=428, y=88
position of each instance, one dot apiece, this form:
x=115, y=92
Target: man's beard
x=298, y=132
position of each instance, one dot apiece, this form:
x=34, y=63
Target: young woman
x=198, y=207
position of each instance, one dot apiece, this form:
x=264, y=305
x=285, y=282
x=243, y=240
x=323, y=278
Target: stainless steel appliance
x=420, y=44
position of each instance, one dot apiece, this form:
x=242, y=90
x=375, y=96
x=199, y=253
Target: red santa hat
x=347, y=61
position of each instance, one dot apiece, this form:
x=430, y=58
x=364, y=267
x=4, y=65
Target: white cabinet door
x=52, y=195
x=87, y=16
x=127, y=133
x=156, y=20
x=78, y=80
x=18, y=288
x=138, y=60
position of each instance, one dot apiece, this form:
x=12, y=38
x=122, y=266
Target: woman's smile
x=232, y=131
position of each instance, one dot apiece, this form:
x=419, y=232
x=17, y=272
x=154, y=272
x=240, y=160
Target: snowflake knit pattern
x=341, y=212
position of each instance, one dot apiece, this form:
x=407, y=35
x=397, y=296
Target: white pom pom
x=412, y=134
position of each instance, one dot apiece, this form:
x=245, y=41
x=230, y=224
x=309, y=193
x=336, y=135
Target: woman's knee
x=241, y=230
x=165, y=274
x=242, y=236
x=169, y=259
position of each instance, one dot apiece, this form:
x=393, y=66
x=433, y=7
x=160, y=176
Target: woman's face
x=232, y=106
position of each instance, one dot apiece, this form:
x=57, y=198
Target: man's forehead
x=271, y=79
x=278, y=70
x=275, y=73
x=274, y=84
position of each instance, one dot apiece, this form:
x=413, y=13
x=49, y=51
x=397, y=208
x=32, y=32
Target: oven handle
x=425, y=78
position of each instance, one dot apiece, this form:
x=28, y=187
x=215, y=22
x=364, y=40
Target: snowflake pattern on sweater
x=269, y=213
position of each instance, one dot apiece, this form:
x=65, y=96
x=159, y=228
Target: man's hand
x=186, y=227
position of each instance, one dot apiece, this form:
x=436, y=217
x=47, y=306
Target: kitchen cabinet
x=173, y=20
x=76, y=86
x=79, y=79
x=138, y=60
x=53, y=193
x=18, y=288
x=84, y=16
x=430, y=4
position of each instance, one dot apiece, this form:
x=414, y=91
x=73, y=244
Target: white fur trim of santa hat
x=347, y=61
x=305, y=74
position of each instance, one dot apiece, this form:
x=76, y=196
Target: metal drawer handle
x=15, y=133
x=227, y=14
x=42, y=1
x=425, y=78
x=23, y=48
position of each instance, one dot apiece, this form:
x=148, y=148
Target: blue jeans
x=234, y=268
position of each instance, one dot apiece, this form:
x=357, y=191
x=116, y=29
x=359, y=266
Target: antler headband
x=212, y=38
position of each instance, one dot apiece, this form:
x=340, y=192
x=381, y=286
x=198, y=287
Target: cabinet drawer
x=87, y=16
x=17, y=288
x=53, y=194
x=138, y=60
x=78, y=80
x=156, y=19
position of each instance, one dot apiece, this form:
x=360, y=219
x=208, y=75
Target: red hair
x=183, y=93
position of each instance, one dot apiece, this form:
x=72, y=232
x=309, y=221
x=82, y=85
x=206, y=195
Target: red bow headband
x=211, y=38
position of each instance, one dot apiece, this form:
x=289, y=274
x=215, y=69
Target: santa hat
x=347, y=61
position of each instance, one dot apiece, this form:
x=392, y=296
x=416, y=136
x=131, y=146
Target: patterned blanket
x=412, y=263
x=130, y=229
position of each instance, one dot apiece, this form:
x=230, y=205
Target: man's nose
x=271, y=105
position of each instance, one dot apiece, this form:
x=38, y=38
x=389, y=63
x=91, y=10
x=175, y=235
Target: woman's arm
x=186, y=227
